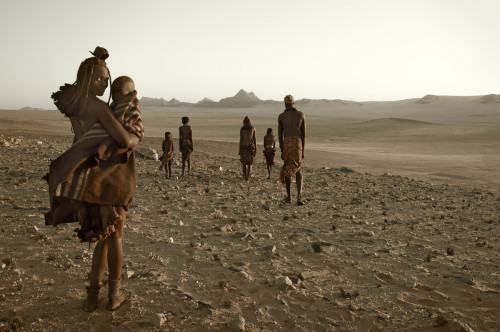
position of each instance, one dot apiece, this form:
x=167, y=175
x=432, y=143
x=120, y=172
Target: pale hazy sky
x=190, y=49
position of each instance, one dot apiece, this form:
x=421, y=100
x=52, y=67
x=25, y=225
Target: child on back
x=168, y=154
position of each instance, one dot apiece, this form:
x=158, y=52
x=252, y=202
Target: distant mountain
x=490, y=99
x=153, y=102
x=427, y=99
x=205, y=102
x=244, y=99
x=241, y=99
x=27, y=108
x=161, y=102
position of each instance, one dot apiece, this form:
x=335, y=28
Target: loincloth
x=292, y=157
x=186, y=149
x=166, y=158
x=269, y=154
x=247, y=154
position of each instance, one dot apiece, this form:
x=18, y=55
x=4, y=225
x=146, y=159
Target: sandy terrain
x=400, y=231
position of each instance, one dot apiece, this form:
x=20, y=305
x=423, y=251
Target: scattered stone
x=170, y=240
x=160, y=320
x=239, y=324
x=225, y=228
x=317, y=247
x=383, y=315
x=348, y=295
x=450, y=251
x=312, y=274
x=411, y=282
x=283, y=283
x=146, y=153
x=354, y=307
x=367, y=233
x=8, y=261
x=461, y=277
x=235, y=268
x=456, y=326
x=346, y=169
x=440, y=321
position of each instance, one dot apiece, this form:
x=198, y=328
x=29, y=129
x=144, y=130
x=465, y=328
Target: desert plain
x=400, y=230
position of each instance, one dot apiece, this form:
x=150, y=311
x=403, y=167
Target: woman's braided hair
x=72, y=97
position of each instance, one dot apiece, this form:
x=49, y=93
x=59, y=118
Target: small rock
x=160, y=320
x=146, y=153
x=456, y=326
x=283, y=283
x=461, y=277
x=170, y=240
x=411, y=282
x=239, y=324
x=317, y=247
x=354, y=307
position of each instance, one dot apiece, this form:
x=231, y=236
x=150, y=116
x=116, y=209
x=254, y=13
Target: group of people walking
x=291, y=137
x=94, y=181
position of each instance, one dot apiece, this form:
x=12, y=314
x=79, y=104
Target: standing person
x=292, y=139
x=93, y=183
x=269, y=150
x=168, y=154
x=248, y=147
x=186, y=144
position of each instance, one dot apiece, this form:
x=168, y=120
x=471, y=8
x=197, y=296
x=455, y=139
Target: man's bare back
x=292, y=123
x=185, y=132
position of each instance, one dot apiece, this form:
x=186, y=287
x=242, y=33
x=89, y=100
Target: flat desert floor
x=399, y=231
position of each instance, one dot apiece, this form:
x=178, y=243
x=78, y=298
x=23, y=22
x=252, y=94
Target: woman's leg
x=99, y=262
x=115, y=261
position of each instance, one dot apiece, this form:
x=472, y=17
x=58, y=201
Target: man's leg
x=298, y=178
x=288, y=181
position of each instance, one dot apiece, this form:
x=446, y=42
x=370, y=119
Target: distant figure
x=292, y=138
x=94, y=181
x=248, y=147
x=269, y=150
x=186, y=144
x=168, y=154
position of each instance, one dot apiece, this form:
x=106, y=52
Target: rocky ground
x=215, y=253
